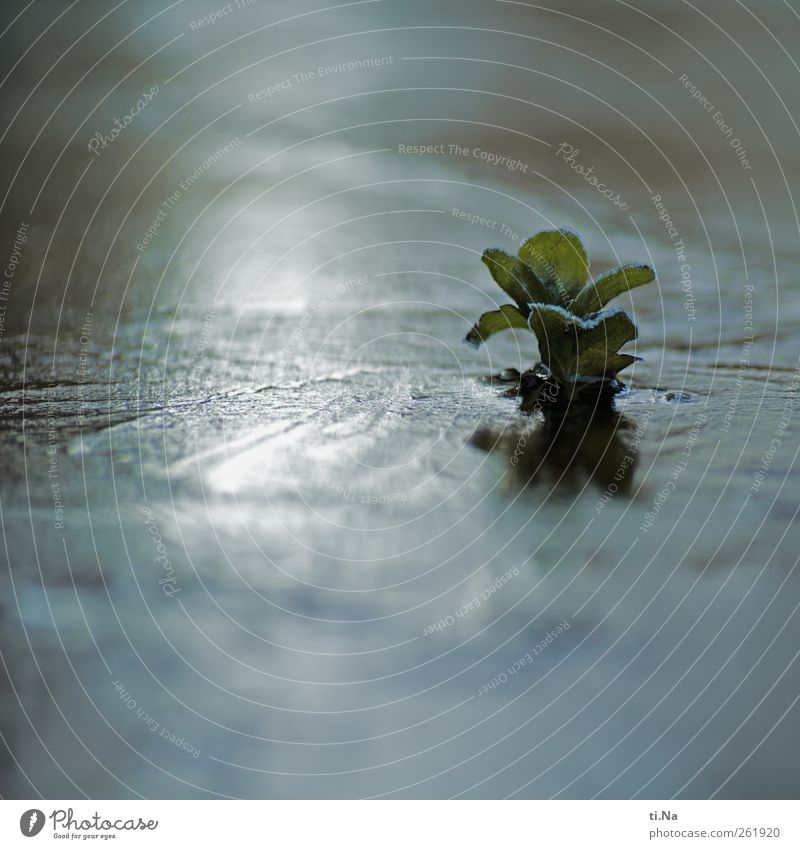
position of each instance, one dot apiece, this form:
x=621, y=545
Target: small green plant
x=554, y=297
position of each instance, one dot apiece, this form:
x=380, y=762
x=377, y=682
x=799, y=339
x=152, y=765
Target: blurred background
x=252, y=544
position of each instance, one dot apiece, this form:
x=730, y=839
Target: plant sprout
x=554, y=297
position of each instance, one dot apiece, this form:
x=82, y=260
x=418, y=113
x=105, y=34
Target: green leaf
x=517, y=280
x=550, y=324
x=489, y=323
x=598, y=341
x=609, y=329
x=575, y=348
x=558, y=259
x=594, y=296
x=598, y=363
x=617, y=362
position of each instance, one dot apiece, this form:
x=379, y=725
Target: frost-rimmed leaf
x=578, y=348
x=609, y=328
x=517, y=280
x=559, y=259
x=551, y=323
x=594, y=296
x=489, y=323
x=599, y=340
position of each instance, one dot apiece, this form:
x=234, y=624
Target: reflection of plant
x=548, y=281
x=564, y=453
